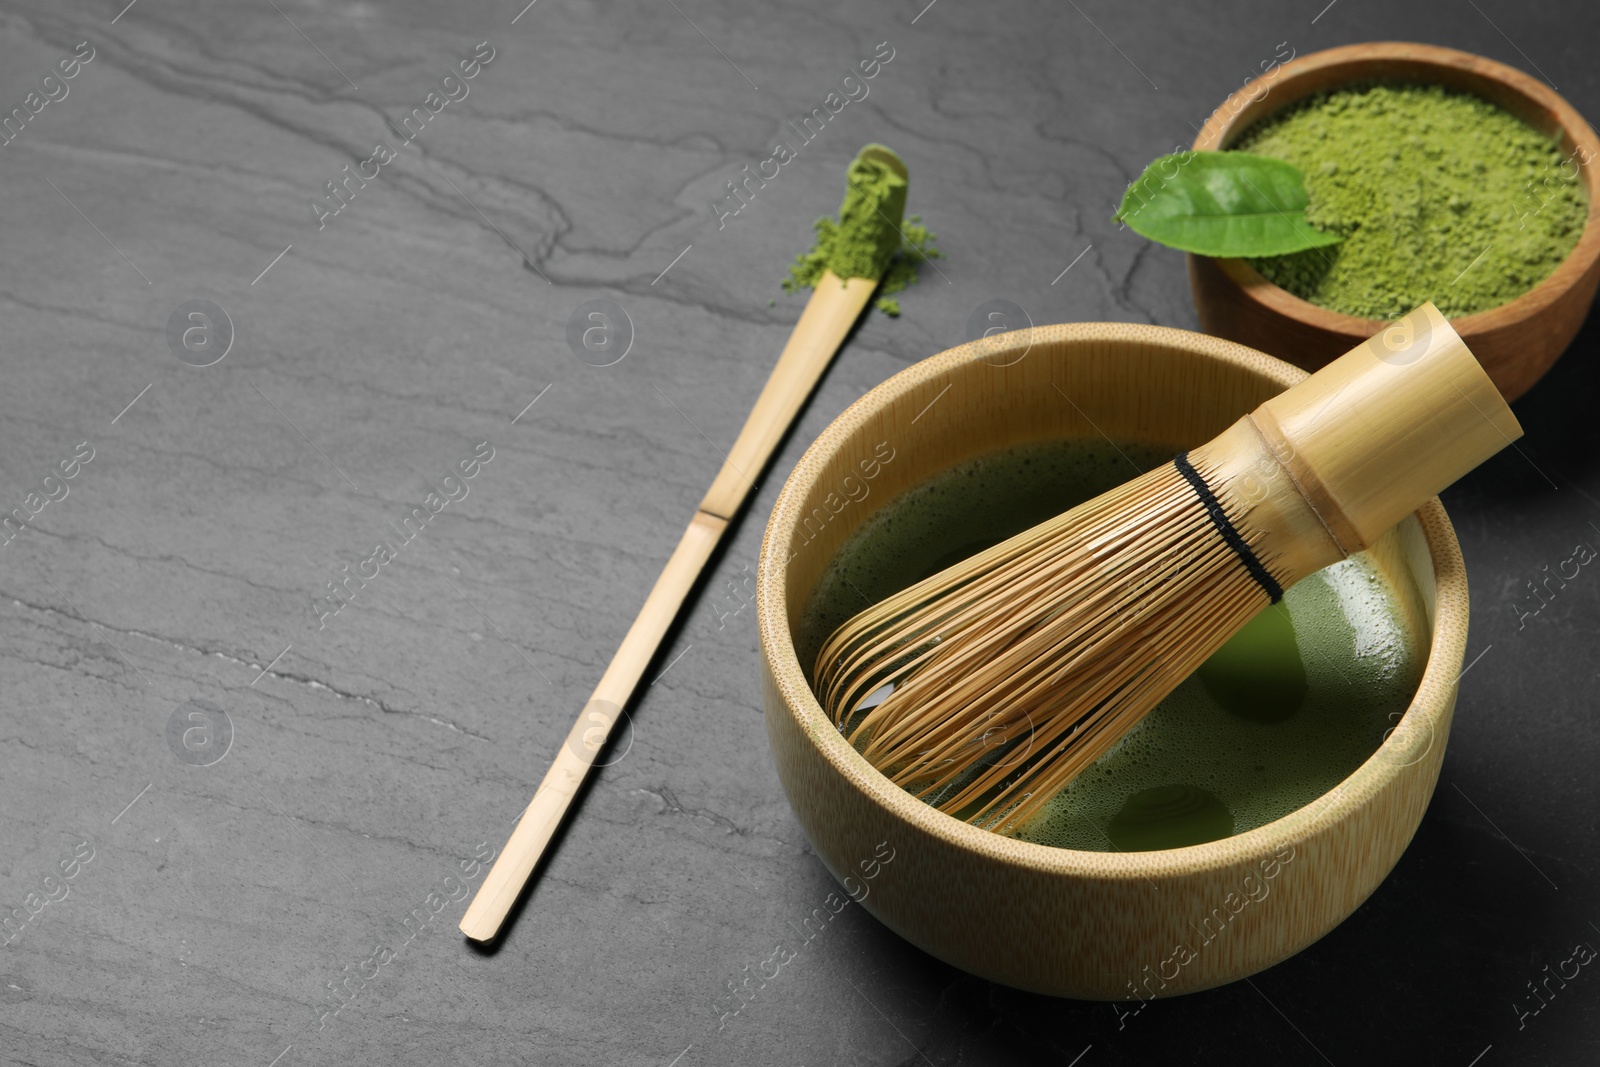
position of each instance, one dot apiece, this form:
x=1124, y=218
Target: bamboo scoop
x=1014, y=670
x=832, y=310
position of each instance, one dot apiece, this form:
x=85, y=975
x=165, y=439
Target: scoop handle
x=1372, y=435
x=823, y=326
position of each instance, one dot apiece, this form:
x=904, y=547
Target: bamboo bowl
x=1055, y=921
x=1517, y=341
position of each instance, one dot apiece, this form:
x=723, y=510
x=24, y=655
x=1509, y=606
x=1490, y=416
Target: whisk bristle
x=1015, y=669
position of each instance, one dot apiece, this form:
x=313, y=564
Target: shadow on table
x=1425, y=972
x=1558, y=420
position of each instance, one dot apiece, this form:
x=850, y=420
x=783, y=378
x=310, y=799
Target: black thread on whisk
x=1225, y=527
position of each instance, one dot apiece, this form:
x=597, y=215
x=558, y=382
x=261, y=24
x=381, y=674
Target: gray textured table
x=295, y=901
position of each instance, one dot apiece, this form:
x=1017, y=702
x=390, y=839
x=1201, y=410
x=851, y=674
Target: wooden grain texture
x=1393, y=421
x=827, y=318
x=1517, y=341
x=589, y=734
x=1058, y=921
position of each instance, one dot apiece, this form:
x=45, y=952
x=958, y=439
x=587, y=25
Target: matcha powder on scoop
x=872, y=238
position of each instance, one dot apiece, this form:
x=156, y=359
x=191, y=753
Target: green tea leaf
x=1222, y=204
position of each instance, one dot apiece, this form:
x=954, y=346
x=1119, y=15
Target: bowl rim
x=1244, y=107
x=1433, y=700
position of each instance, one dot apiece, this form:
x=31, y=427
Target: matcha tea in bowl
x=1081, y=916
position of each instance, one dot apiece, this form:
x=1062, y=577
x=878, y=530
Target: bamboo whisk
x=1014, y=670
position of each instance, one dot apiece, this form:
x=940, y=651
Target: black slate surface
x=211, y=908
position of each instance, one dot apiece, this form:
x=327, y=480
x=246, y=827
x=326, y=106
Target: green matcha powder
x=868, y=240
x=1439, y=195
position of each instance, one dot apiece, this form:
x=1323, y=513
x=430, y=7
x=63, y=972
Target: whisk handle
x=1372, y=435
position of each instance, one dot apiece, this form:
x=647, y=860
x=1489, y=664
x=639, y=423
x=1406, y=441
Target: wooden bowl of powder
x=1452, y=178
